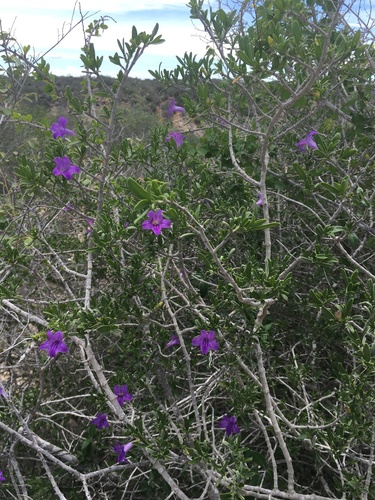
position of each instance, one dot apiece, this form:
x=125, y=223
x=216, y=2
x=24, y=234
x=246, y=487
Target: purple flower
x=2, y=478
x=307, y=141
x=229, y=424
x=100, y=420
x=206, y=341
x=177, y=136
x=59, y=129
x=173, y=108
x=68, y=207
x=221, y=120
x=65, y=168
x=121, y=450
x=156, y=222
x=3, y=393
x=260, y=199
x=174, y=341
x=54, y=344
x=122, y=394
x=90, y=222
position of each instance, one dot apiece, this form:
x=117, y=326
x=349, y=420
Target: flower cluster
x=123, y=394
x=156, y=223
x=176, y=136
x=64, y=166
x=101, y=421
x=205, y=340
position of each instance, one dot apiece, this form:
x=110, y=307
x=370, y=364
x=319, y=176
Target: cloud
x=67, y=8
x=42, y=25
x=139, y=5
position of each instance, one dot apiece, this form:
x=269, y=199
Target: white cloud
x=42, y=25
x=88, y=5
x=127, y=6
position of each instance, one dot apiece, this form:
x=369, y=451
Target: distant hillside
x=144, y=103
x=150, y=92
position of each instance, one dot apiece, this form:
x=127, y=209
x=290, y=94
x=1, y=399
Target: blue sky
x=40, y=23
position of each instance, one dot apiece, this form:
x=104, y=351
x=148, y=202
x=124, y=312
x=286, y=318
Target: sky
x=40, y=24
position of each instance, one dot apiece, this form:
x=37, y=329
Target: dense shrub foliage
x=187, y=308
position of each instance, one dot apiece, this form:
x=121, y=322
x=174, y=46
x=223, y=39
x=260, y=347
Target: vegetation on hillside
x=187, y=284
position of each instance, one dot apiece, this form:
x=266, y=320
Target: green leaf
x=141, y=205
x=138, y=190
x=155, y=30
x=260, y=224
x=5, y=293
x=366, y=353
x=258, y=458
x=356, y=38
x=300, y=171
x=335, y=190
x=353, y=239
x=158, y=40
x=5, y=111
x=244, y=57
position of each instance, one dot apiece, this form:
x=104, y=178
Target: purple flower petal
x=174, y=341
x=121, y=450
x=59, y=129
x=91, y=223
x=156, y=222
x=2, y=478
x=3, y=393
x=260, y=200
x=229, y=424
x=100, y=420
x=307, y=141
x=205, y=340
x=122, y=393
x=65, y=168
x=68, y=207
x=177, y=136
x=221, y=120
x=54, y=344
x=174, y=109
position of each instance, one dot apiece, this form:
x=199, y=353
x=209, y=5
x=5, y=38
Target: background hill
x=143, y=105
